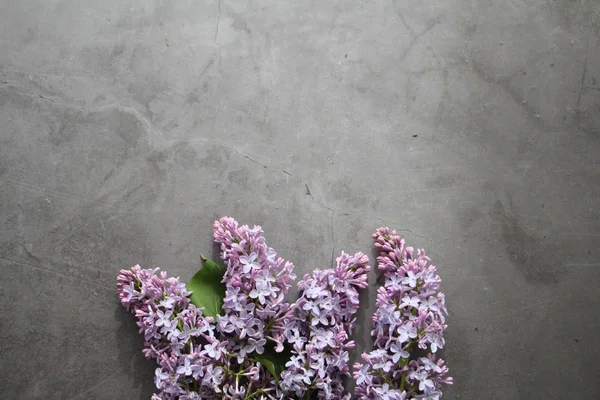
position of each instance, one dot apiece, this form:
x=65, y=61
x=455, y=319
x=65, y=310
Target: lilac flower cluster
x=256, y=281
x=319, y=329
x=176, y=334
x=203, y=358
x=408, y=327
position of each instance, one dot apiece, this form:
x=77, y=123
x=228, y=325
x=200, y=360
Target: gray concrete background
x=472, y=126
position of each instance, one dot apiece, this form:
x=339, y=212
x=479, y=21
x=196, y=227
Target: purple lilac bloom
x=198, y=357
x=174, y=330
x=320, y=327
x=410, y=319
x=256, y=282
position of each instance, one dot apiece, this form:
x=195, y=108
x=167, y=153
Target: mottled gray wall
x=472, y=126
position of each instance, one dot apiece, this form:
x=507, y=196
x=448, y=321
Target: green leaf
x=268, y=364
x=207, y=289
x=274, y=362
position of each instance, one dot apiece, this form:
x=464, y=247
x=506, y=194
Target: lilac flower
x=198, y=370
x=173, y=335
x=408, y=301
x=249, y=262
x=167, y=303
x=410, y=315
x=261, y=291
x=160, y=376
x=190, y=396
x=252, y=346
x=213, y=377
x=363, y=375
x=406, y=332
x=398, y=352
x=186, y=368
x=386, y=393
x=410, y=280
x=294, y=337
x=423, y=378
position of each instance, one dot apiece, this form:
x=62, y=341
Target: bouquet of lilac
x=408, y=327
x=234, y=349
x=230, y=334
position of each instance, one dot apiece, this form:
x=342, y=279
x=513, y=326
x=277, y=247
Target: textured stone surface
x=127, y=127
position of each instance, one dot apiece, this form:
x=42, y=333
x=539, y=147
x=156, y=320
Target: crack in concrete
x=406, y=25
x=208, y=65
x=283, y=171
x=308, y=193
x=130, y=110
x=415, y=39
x=582, y=84
x=56, y=272
x=149, y=127
x=332, y=239
x=445, y=95
x=220, y=67
x=581, y=90
x=31, y=93
x=218, y=21
x=504, y=84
